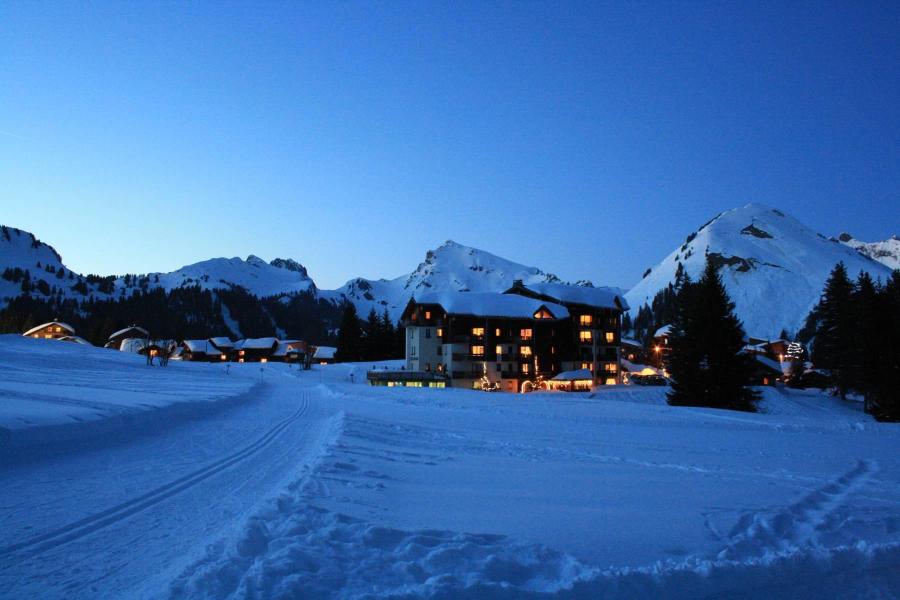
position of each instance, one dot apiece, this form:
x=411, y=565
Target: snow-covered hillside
x=773, y=266
x=450, y=267
x=281, y=276
x=886, y=252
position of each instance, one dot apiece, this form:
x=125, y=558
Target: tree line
x=376, y=338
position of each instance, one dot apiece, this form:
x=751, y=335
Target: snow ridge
x=886, y=252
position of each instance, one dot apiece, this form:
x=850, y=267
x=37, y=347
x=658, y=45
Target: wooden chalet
x=201, y=351
x=133, y=332
x=765, y=370
x=580, y=380
x=290, y=351
x=255, y=349
x=53, y=330
x=324, y=355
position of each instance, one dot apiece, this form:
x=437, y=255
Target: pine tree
x=374, y=338
x=349, y=342
x=705, y=360
x=884, y=393
x=867, y=347
x=835, y=336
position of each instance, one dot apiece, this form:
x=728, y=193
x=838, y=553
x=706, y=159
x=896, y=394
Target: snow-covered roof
x=601, y=297
x=774, y=365
x=285, y=346
x=577, y=375
x=127, y=329
x=631, y=367
x=325, y=352
x=221, y=342
x=76, y=339
x=631, y=342
x=663, y=331
x=65, y=326
x=198, y=346
x=487, y=304
x=256, y=343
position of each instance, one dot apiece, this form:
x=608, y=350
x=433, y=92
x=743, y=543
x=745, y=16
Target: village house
x=515, y=341
x=290, y=351
x=202, y=351
x=255, y=349
x=580, y=380
x=765, y=370
x=75, y=340
x=53, y=330
x=659, y=347
x=324, y=355
x=223, y=344
x=133, y=332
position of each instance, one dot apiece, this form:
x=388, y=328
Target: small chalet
x=765, y=370
x=324, y=355
x=115, y=340
x=633, y=350
x=660, y=349
x=579, y=380
x=202, y=351
x=290, y=351
x=255, y=349
x=223, y=344
x=53, y=330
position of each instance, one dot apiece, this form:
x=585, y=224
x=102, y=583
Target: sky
x=587, y=139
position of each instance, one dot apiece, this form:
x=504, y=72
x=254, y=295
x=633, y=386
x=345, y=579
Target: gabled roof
x=221, y=342
x=256, y=343
x=197, y=346
x=76, y=339
x=488, y=304
x=772, y=365
x=598, y=297
x=127, y=329
x=325, y=352
x=663, y=331
x=65, y=326
x=285, y=346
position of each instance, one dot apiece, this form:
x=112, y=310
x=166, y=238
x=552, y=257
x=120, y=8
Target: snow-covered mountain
x=450, y=267
x=773, y=266
x=281, y=276
x=886, y=252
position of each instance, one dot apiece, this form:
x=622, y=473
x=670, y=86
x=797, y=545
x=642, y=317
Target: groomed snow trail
x=122, y=521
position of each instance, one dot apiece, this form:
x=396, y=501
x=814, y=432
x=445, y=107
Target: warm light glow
x=427, y=314
x=585, y=320
x=241, y=353
x=478, y=331
x=585, y=336
x=440, y=332
x=499, y=349
x=262, y=360
x=477, y=350
x=525, y=334
x=611, y=381
x=611, y=367
x=48, y=336
x=240, y=360
x=657, y=349
x=497, y=332
x=222, y=357
x=587, y=366
x=543, y=314
x=57, y=329
x=610, y=337
x=525, y=368
x=525, y=350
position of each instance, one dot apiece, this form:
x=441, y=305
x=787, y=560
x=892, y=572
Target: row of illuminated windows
x=478, y=350
x=525, y=333
x=608, y=367
x=586, y=336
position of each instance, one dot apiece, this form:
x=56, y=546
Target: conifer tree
x=835, y=335
x=349, y=343
x=705, y=360
x=866, y=350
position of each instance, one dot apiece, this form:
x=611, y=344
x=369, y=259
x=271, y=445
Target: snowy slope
x=886, y=252
x=450, y=267
x=281, y=276
x=773, y=266
x=22, y=250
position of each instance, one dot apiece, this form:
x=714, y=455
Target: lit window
x=478, y=331
x=611, y=367
x=587, y=366
x=262, y=360
x=525, y=334
x=552, y=349
x=428, y=366
x=241, y=353
x=585, y=320
x=48, y=336
x=440, y=332
x=610, y=337
x=440, y=368
x=477, y=350
x=35, y=336
x=57, y=329
x=543, y=314
x=222, y=357
x=497, y=332
x=427, y=314
x=525, y=350
x=525, y=368
x=242, y=360
x=499, y=350
x=585, y=336
x=611, y=381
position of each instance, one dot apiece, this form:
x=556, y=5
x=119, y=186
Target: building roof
x=256, y=343
x=325, y=352
x=772, y=365
x=600, y=297
x=65, y=326
x=127, y=329
x=285, y=346
x=631, y=367
x=221, y=342
x=133, y=345
x=198, y=346
x=488, y=304
x=631, y=342
x=577, y=375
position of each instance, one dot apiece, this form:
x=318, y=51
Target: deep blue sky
x=586, y=139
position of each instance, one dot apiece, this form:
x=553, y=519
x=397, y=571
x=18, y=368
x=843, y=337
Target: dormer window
x=543, y=314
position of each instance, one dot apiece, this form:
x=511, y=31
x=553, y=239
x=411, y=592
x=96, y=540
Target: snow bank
x=57, y=394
